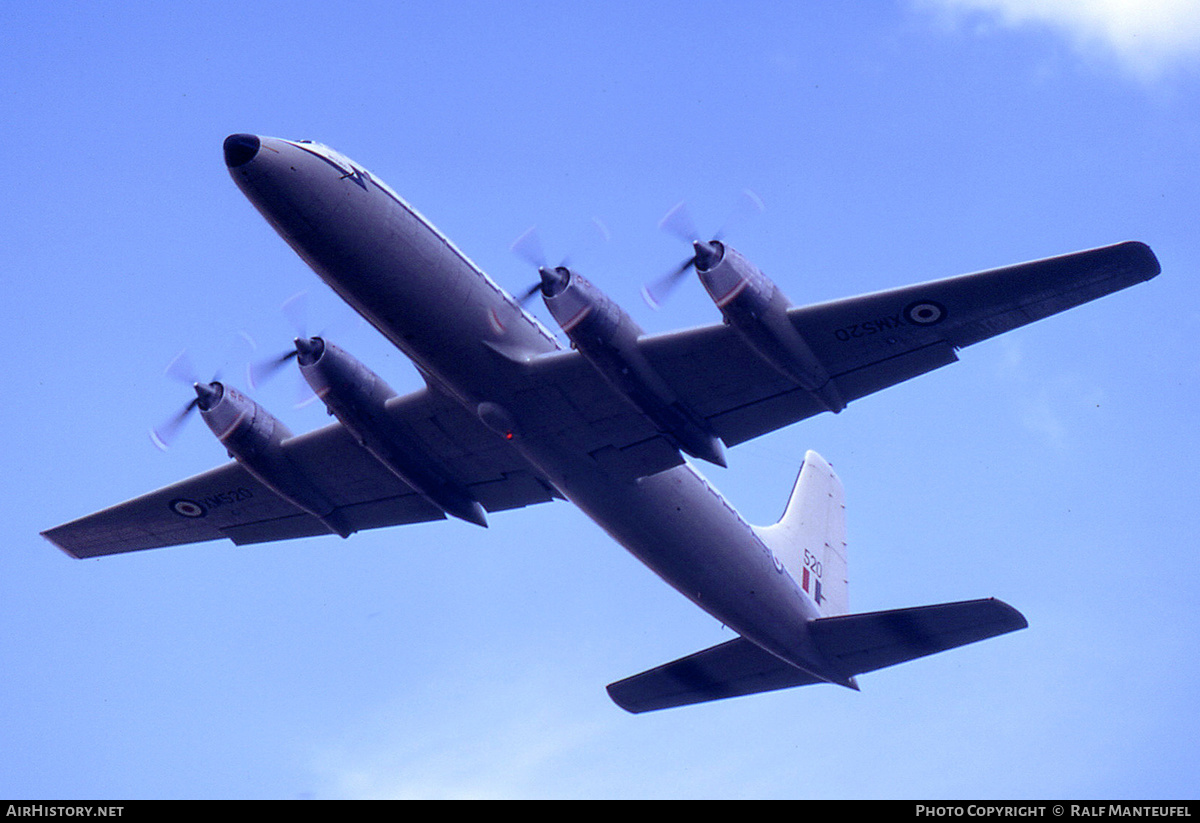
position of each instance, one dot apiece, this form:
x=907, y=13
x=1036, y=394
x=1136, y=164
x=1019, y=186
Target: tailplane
x=855, y=643
x=810, y=542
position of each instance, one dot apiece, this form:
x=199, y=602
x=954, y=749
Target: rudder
x=810, y=539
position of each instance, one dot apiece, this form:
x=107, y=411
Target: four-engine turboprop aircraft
x=509, y=417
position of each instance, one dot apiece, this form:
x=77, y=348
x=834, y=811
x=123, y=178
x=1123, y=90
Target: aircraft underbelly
x=404, y=277
x=679, y=526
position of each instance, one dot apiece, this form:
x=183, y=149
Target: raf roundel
x=187, y=508
x=925, y=313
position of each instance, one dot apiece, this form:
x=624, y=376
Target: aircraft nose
x=240, y=149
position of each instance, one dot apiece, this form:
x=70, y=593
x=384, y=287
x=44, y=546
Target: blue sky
x=891, y=143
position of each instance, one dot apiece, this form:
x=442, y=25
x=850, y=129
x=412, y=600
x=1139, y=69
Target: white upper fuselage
x=471, y=340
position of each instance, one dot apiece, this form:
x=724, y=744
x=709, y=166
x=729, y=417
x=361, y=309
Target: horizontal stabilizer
x=857, y=643
x=851, y=643
x=731, y=669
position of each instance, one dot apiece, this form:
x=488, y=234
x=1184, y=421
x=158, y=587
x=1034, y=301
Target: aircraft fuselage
x=469, y=338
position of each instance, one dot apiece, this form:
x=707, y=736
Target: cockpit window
x=331, y=156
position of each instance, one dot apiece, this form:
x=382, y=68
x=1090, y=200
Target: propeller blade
x=528, y=294
x=601, y=229
x=529, y=248
x=181, y=369
x=748, y=203
x=305, y=396
x=678, y=221
x=295, y=309
x=655, y=293
x=257, y=374
x=164, y=434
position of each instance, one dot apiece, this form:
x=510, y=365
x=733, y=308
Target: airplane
x=510, y=417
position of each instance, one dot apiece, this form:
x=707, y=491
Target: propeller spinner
x=181, y=370
x=552, y=279
x=705, y=253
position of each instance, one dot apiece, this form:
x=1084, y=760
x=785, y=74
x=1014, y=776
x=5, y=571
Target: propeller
x=552, y=279
x=529, y=248
x=182, y=370
x=678, y=222
x=305, y=346
x=295, y=309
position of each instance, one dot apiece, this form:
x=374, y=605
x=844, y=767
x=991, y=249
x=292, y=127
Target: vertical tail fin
x=810, y=543
x=810, y=538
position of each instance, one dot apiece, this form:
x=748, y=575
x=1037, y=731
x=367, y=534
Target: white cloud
x=1147, y=37
x=460, y=738
x=1049, y=405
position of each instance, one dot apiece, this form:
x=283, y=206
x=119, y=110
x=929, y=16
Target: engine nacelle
x=607, y=338
x=254, y=438
x=358, y=398
x=755, y=307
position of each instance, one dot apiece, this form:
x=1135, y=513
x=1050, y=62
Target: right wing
x=229, y=502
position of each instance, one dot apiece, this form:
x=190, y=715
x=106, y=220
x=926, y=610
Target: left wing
x=864, y=343
x=874, y=341
x=229, y=502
